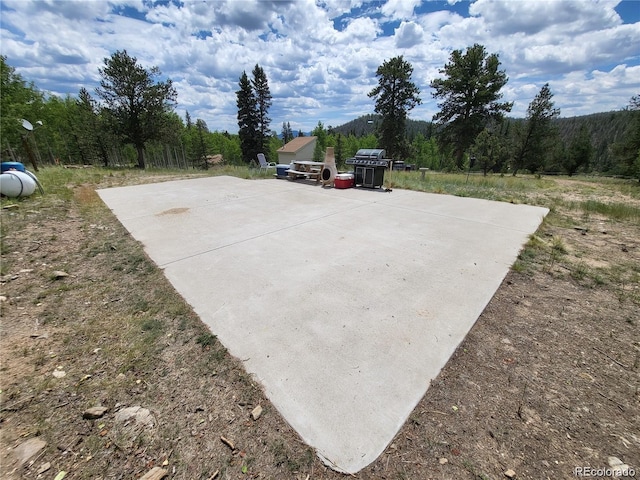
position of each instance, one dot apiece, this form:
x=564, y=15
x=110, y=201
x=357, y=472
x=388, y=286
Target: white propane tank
x=14, y=183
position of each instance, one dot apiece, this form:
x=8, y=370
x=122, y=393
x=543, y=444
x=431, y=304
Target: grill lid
x=370, y=153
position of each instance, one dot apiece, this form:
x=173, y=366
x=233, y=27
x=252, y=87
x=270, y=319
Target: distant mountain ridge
x=604, y=129
x=604, y=124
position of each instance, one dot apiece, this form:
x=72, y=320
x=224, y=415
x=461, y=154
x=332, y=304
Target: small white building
x=300, y=148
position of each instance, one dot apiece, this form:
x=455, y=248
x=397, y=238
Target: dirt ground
x=545, y=386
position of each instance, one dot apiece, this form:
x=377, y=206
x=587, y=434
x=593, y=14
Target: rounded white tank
x=14, y=183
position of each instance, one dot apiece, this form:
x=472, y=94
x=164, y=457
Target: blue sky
x=320, y=56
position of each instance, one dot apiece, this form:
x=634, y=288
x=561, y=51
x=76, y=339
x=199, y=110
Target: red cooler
x=343, y=180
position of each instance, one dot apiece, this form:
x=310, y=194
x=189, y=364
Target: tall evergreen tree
x=533, y=137
x=248, y=121
x=321, y=142
x=88, y=130
x=263, y=102
x=579, y=153
x=627, y=151
x=469, y=92
x=395, y=95
x=490, y=149
x=201, y=146
x=136, y=104
x=287, y=133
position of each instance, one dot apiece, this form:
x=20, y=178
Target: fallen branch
x=227, y=442
x=156, y=473
x=435, y=411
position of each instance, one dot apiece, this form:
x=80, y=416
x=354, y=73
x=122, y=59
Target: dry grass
x=547, y=380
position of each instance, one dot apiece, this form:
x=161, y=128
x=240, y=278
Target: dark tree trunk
x=140, y=157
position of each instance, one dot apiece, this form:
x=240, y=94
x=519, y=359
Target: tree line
x=472, y=130
x=130, y=120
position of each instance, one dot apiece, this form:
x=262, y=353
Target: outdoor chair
x=264, y=165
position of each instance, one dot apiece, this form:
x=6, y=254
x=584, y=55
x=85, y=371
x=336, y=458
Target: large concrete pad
x=344, y=304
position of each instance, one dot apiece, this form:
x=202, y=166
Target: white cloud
x=320, y=57
x=578, y=92
x=432, y=22
x=399, y=9
x=359, y=30
x=509, y=17
x=408, y=34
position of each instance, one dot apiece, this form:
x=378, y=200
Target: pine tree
x=469, y=91
x=627, y=151
x=533, y=137
x=287, y=134
x=579, y=153
x=395, y=95
x=88, y=130
x=321, y=142
x=488, y=149
x=201, y=146
x=247, y=120
x=263, y=102
x=136, y=104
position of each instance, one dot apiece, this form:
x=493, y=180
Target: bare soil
x=547, y=381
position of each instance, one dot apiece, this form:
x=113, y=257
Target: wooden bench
x=313, y=174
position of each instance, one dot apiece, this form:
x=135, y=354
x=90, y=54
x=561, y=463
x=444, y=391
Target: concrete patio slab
x=344, y=304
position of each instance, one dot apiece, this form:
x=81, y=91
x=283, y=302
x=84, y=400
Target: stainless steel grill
x=369, y=156
x=369, y=166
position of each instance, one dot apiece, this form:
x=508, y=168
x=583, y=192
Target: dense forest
x=607, y=133
x=77, y=130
